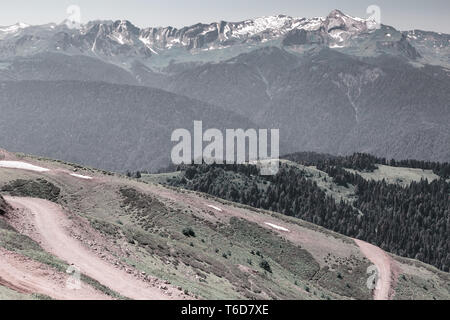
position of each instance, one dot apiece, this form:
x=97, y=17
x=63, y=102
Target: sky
x=433, y=15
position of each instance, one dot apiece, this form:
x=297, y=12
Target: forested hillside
x=410, y=221
x=107, y=126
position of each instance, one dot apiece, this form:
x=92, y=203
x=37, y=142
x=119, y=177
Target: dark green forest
x=410, y=221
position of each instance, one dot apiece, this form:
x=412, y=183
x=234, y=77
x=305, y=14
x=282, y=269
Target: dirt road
x=383, y=263
x=51, y=229
x=27, y=276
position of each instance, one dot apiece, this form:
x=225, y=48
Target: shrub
x=4, y=207
x=265, y=265
x=188, y=232
x=39, y=188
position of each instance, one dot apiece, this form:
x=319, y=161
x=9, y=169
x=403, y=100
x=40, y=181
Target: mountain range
x=334, y=84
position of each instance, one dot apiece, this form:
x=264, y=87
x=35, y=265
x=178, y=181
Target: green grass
x=413, y=287
x=397, y=175
x=217, y=251
x=8, y=294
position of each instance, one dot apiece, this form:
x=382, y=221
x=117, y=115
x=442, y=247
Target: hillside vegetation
x=202, y=246
x=4, y=207
x=410, y=221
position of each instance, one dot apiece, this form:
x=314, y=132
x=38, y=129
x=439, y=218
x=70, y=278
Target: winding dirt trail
x=51, y=229
x=28, y=276
x=383, y=263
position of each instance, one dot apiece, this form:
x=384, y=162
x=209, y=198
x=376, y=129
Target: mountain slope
x=328, y=101
x=394, y=112
x=56, y=66
x=121, y=42
x=114, y=127
x=388, y=215
x=332, y=84
x=207, y=247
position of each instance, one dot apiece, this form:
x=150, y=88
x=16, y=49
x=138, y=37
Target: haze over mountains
x=329, y=84
x=106, y=125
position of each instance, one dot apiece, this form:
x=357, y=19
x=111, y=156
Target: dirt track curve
x=51, y=225
x=383, y=263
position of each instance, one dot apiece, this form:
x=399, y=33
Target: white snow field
x=21, y=165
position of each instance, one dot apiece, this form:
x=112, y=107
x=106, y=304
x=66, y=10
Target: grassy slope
x=8, y=294
x=223, y=259
x=397, y=175
x=416, y=280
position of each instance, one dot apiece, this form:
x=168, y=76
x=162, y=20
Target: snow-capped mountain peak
x=122, y=40
x=95, y=35
x=341, y=27
x=279, y=23
x=13, y=28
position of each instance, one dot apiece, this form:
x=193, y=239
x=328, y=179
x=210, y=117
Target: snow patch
x=258, y=25
x=120, y=38
x=21, y=165
x=148, y=44
x=276, y=227
x=214, y=207
x=81, y=176
x=312, y=24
